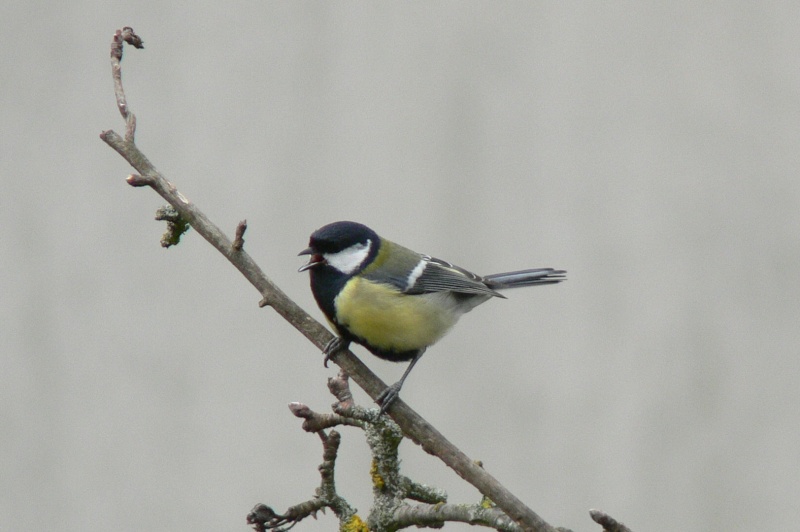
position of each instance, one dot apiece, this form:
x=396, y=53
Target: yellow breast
x=391, y=320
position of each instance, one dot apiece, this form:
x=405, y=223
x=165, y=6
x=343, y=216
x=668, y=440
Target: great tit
x=394, y=301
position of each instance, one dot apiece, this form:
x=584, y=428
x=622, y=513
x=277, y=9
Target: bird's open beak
x=313, y=261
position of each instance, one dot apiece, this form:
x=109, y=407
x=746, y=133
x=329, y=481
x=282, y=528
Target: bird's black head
x=344, y=246
x=339, y=236
x=338, y=252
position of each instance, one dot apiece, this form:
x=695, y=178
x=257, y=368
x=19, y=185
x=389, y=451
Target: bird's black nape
x=337, y=236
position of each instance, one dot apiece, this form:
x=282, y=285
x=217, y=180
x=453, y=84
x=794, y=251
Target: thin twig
x=127, y=35
x=339, y=386
x=317, y=421
x=238, y=240
x=608, y=523
x=412, y=424
x=263, y=518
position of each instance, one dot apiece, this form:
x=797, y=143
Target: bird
x=393, y=301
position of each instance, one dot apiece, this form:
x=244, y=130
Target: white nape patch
x=411, y=280
x=349, y=259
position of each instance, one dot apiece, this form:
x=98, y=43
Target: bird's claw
x=334, y=346
x=388, y=396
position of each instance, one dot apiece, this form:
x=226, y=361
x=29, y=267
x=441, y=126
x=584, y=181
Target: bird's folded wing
x=441, y=276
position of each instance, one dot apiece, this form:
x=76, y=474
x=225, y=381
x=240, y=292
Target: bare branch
x=327, y=489
x=412, y=424
x=437, y=514
x=263, y=518
x=390, y=488
x=422, y=493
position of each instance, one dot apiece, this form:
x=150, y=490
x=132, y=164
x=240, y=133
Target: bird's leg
x=388, y=396
x=336, y=344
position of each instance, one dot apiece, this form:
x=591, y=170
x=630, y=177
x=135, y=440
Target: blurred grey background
x=651, y=149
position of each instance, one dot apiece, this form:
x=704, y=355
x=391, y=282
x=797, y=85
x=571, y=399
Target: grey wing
x=441, y=276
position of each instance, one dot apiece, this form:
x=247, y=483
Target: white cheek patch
x=348, y=260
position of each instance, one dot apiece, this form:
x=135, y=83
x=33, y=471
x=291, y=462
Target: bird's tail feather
x=499, y=281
